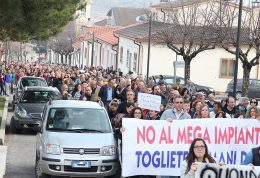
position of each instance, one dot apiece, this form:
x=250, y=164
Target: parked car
x=28, y=110
x=27, y=81
x=76, y=140
x=171, y=80
x=253, y=88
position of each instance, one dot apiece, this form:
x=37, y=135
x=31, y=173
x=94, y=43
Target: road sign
x=179, y=64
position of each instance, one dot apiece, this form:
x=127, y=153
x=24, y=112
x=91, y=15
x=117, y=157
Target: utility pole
x=237, y=48
x=149, y=48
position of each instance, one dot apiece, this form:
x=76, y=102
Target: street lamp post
x=237, y=48
x=149, y=48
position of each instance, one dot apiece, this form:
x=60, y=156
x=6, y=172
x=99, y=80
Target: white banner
x=159, y=147
x=227, y=171
x=148, y=101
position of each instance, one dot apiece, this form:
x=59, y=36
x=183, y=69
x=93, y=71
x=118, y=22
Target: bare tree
x=250, y=38
x=62, y=43
x=191, y=28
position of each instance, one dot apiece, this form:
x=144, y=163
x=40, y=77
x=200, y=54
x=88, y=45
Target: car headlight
x=52, y=149
x=21, y=112
x=108, y=150
x=211, y=89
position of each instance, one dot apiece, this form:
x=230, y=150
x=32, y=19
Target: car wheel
x=238, y=95
x=38, y=171
x=204, y=93
x=13, y=128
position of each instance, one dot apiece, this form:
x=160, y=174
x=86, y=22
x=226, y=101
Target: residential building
x=213, y=68
x=104, y=48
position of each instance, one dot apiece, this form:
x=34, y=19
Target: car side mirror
x=38, y=128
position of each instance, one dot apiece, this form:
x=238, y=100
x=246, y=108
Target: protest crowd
x=119, y=94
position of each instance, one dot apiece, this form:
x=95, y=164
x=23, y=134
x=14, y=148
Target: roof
x=140, y=31
x=32, y=77
x=159, y=31
x=177, y=3
x=98, y=34
x=76, y=45
x=75, y=104
x=40, y=88
x=101, y=22
x=180, y=3
x=108, y=37
x=125, y=16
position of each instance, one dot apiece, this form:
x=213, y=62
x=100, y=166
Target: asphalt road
x=20, y=154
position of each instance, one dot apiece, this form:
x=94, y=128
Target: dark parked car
x=171, y=80
x=253, y=88
x=27, y=81
x=28, y=110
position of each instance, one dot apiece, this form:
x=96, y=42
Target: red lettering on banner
x=163, y=137
x=143, y=135
x=240, y=137
x=166, y=138
x=197, y=128
x=181, y=136
x=222, y=138
x=206, y=136
x=150, y=130
x=140, y=134
x=230, y=134
x=237, y=135
x=257, y=135
x=170, y=140
x=250, y=135
x=189, y=135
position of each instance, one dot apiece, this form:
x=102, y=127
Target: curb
x=3, y=153
x=4, y=117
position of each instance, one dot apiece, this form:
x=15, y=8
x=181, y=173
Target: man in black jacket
x=107, y=92
x=253, y=157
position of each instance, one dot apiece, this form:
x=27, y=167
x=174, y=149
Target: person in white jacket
x=198, y=152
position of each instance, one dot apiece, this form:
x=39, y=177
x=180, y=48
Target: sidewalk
x=3, y=153
x=3, y=148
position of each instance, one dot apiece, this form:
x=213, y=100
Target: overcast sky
x=101, y=7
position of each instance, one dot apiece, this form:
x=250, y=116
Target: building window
x=130, y=62
x=121, y=54
x=127, y=58
x=135, y=62
x=227, y=67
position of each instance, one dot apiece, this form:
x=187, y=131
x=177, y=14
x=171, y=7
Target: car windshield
x=26, y=82
x=38, y=96
x=78, y=120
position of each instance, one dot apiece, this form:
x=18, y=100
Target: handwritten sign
x=148, y=101
x=205, y=170
x=160, y=147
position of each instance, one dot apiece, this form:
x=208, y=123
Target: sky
x=101, y=7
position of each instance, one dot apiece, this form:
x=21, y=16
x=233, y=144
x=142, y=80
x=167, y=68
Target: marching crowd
x=119, y=93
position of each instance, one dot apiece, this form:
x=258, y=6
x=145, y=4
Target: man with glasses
x=175, y=113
